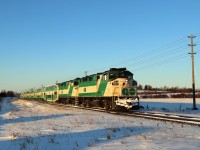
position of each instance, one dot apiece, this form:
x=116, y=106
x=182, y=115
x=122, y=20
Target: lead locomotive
x=114, y=89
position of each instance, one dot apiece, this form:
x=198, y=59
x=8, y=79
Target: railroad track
x=139, y=114
x=168, y=117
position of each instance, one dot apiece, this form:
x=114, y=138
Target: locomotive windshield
x=125, y=74
x=113, y=76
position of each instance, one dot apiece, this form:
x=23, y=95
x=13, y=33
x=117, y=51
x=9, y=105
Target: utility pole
x=193, y=80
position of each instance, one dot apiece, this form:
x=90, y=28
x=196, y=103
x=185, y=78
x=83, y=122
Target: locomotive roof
x=110, y=70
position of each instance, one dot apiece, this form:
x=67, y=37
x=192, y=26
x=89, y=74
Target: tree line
x=147, y=91
x=5, y=93
x=166, y=89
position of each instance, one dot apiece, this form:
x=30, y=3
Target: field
x=26, y=125
x=172, y=105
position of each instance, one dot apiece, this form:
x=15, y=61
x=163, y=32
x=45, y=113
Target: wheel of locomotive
x=107, y=104
x=87, y=103
x=101, y=104
x=107, y=107
x=84, y=103
x=63, y=101
x=104, y=104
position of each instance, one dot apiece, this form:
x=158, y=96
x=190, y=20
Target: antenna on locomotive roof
x=86, y=73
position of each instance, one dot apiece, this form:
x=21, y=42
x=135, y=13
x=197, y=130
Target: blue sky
x=42, y=42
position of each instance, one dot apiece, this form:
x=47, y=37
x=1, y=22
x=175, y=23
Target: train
x=114, y=89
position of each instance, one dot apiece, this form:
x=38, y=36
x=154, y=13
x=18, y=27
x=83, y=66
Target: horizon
x=44, y=42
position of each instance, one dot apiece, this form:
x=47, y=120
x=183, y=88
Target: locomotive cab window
x=126, y=74
x=134, y=83
x=121, y=75
x=104, y=77
x=112, y=76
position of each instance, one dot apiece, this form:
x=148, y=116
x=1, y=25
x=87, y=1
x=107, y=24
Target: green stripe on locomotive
x=70, y=90
x=63, y=86
x=87, y=94
x=93, y=88
x=51, y=97
x=88, y=86
x=88, y=81
x=66, y=89
x=102, y=88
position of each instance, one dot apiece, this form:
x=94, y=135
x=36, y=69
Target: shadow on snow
x=74, y=140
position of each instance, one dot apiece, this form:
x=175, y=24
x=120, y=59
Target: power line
x=150, y=56
x=160, y=49
x=160, y=56
x=156, y=57
x=166, y=46
x=160, y=63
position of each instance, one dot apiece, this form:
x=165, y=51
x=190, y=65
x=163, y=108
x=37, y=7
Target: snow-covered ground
x=172, y=105
x=27, y=125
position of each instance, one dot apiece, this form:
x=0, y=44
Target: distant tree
x=140, y=87
x=165, y=87
x=7, y=93
x=10, y=94
x=3, y=93
x=148, y=87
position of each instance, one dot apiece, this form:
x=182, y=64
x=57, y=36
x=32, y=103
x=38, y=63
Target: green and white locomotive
x=112, y=89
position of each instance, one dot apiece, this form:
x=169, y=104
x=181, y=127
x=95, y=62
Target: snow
x=29, y=125
x=172, y=105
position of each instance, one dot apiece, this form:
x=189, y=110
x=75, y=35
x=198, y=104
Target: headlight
x=132, y=91
x=125, y=91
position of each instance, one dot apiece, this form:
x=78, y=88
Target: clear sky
x=44, y=41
